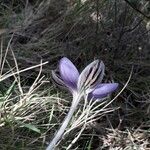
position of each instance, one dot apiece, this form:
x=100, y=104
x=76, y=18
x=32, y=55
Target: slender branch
x=132, y=29
x=139, y=11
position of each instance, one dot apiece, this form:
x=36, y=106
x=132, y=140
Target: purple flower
x=89, y=81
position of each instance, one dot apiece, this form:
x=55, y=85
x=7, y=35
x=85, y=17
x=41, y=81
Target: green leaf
x=10, y=89
x=31, y=127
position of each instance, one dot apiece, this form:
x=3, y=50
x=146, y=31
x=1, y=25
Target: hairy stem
x=65, y=123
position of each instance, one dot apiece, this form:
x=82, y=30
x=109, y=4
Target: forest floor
x=34, y=35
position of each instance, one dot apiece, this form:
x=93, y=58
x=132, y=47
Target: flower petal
x=91, y=75
x=68, y=72
x=57, y=79
x=102, y=90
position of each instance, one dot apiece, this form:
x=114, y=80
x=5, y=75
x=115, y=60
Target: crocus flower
x=88, y=82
